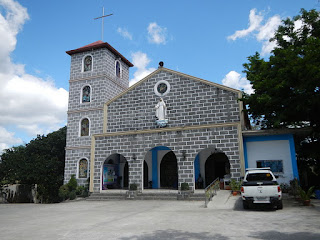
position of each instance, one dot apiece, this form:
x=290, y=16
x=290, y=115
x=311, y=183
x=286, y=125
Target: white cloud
x=261, y=32
x=7, y=139
x=254, y=24
x=268, y=29
x=157, y=34
x=140, y=61
x=29, y=103
x=266, y=32
x=234, y=80
x=124, y=33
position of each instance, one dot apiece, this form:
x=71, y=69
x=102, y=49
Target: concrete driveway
x=157, y=220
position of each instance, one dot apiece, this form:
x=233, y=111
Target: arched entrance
x=209, y=164
x=217, y=166
x=145, y=175
x=169, y=171
x=115, y=172
x=126, y=176
x=160, y=168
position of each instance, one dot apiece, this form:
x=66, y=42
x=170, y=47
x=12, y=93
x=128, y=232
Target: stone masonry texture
x=104, y=86
x=134, y=148
x=190, y=103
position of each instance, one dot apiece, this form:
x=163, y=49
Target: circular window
x=162, y=88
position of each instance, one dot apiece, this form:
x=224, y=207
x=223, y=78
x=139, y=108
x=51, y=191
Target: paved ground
x=157, y=220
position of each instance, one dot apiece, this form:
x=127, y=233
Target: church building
x=167, y=129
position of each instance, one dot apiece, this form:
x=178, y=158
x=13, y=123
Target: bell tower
x=98, y=72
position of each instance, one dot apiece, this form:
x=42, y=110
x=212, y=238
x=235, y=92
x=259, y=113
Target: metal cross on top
x=103, y=16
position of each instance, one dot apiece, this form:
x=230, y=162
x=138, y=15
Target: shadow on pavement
x=175, y=234
x=286, y=236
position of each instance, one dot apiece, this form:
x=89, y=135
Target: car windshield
x=259, y=177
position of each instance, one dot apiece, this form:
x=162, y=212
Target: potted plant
x=306, y=195
x=132, y=193
x=184, y=192
x=235, y=187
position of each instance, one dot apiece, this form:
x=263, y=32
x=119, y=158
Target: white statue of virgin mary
x=161, y=110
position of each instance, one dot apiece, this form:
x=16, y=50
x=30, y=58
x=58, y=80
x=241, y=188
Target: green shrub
x=133, y=187
x=80, y=190
x=64, y=192
x=85, y=193
x=72, y=184
x=184, y=186
x=294, y=187
x=306, y=195
x=72, y=195
x=284, y=187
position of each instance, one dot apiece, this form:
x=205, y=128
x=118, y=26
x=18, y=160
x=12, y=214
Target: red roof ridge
x=92, y=44
x=100, y=44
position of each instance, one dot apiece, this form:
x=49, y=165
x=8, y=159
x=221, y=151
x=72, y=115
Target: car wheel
x=245, y=205
x=280, y=205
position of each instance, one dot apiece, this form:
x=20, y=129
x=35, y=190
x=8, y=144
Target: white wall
x=271, y=150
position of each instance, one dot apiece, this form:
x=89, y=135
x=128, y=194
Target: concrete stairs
x=148, y=194
x=106, y=197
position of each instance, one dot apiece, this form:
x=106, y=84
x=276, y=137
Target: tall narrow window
x=83, y=168
x=87, y=63
x=118, y=69
x=86, y=92
x=85, y=127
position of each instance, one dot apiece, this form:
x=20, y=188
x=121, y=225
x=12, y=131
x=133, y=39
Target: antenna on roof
x=103, y=16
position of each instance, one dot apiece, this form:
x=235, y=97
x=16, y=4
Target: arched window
x=83, y=168
x=87, y=64
x=86, y=94
x=118, y=69
x=84, y=131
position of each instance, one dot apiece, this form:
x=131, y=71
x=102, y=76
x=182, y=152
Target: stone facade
x=189, y=103
x=186, y=144
x=201, y=115
x=203, y=133
x=104, y=86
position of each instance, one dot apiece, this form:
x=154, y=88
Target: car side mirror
x=276, y=176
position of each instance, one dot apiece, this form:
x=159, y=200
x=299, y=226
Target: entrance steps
x=111, y=196
x=147, y=194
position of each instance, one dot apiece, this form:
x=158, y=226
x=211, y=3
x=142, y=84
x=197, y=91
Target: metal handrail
x=211, y=190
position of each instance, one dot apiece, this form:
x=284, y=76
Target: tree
x=13, y=164
x=40, y=162
x=286, y=87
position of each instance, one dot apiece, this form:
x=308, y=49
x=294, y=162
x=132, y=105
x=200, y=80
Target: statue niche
x=161, y=113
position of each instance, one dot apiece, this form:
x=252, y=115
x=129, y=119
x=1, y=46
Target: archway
x=160, y=168
x=145, y=175
x=114, y=174
x=126, y=176
x=216, y=166
x=169, y=171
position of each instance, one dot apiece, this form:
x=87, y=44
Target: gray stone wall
x=73, y=132
x=104, y=86
x=191, y=141
x=189, y=103
x=103, y=64
x=71, y=161
x=102, y=90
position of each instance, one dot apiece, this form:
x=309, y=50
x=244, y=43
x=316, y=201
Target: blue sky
x=208, y=39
